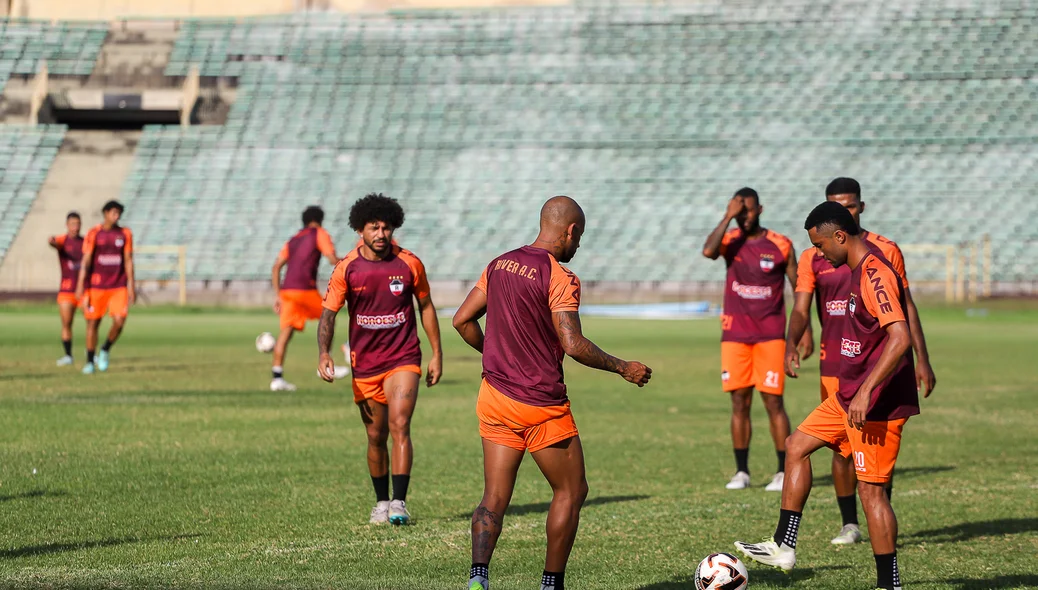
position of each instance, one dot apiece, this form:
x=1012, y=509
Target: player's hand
x=925, y=379
x=792, y=361
x=277, y=306
x=131, y=297
x=806, y=347
x=735, y=207
x=858, y=408
x=432, y=375
x=326, y=367
x=80, y=291
x=636, y=373
x=53, y=242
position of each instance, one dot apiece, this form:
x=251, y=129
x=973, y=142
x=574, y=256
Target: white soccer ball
x=265, y=342
x=721, y=571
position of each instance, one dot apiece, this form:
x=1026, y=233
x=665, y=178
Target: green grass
x=178, y=468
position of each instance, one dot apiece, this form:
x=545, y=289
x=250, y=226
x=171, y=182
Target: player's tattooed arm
x=325, y=335
x=587, y=353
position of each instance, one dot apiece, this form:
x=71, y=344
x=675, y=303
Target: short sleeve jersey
x=830, y=286
x=522, y=355
x=754, y=305
x=105, y=249
x=70, y=257
x=303, y=253
x=379, y=295
x=876, y=298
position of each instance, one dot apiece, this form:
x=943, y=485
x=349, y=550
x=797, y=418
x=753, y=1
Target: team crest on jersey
x=851, y=303
x=767, y=262
x=119, y=242
x=396, y=286
x=725, y=376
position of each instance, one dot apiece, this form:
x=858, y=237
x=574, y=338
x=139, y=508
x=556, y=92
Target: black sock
x=67, y=345
x=742, y=460
x=554, y=580
x=887, y=575
x=788, y=526
x=400, y=483
x=107, y=345
x=381, y=487
x=277, y=372
x=848, y=509
x=90, y=356
x=781, y=461
x=480, y=569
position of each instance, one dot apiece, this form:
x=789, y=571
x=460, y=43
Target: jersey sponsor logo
x=852, y=303
x=72, y=265
x=850, y=348
x=381, y=322
x=109, y=259
x=836, y=307
x=396, y=286
x=882, y=298
x=767, y=262
x=119, y=242
x=751, y=291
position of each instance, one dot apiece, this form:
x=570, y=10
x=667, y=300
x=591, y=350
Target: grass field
x=178, y=468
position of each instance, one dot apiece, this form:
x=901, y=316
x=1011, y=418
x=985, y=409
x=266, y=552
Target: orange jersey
x=105, y=250
x=303, y=253
x=70, y=256
x=754, y=305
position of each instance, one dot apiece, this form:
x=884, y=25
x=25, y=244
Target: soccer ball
x=721, y=571
x=265, y=342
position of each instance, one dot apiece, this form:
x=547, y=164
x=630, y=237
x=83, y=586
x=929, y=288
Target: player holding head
x=297, y=299
x=815, y=276
x=753, y=325
x=866, y=415
x=106, y=282
x=531, y=305
x=70, y=255
x=379, y=282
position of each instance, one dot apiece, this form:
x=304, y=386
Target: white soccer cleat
x=64, y=361
x=849, y=535
x=770, y=553
x=398, y=513
x=775, y=485
x=280, y=384
x=380, y=513
x=740, y=481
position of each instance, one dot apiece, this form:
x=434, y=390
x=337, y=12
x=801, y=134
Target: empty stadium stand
x=26, y=153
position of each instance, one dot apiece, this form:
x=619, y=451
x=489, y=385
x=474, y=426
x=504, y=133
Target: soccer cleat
x=478, y=583
x=102, y=361
x=279, y=384
x=775, y=485
x=849, y=535
x=770, y=553
x=398, y=513
x=88, y=369
x=65, y=361
x=380, y=513
x=740, y=481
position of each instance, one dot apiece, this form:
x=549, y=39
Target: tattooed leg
x=500, y=466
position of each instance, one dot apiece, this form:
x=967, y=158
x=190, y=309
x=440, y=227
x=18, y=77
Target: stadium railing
x=163, y=262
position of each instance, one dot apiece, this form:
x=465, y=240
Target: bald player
x=531, y=303
x=818, y=279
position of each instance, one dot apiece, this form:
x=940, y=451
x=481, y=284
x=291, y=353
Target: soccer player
x=817, y=278
x=106, y=282
x=531, y=303
x=865, y=417
x=753, y=325
x=379, y=282
x=296, y=297
x=70, y=255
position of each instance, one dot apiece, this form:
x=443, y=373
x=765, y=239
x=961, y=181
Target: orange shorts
x=98, y=302
x=753, y=365
x=509, y=423
x=874, y=448
x=65, y=298
x=373, y=388
x=830, y=385
x=298, y=307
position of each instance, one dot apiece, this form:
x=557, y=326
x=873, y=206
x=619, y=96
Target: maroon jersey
x=754, y=305
x=303, y=253
x=105, y=249
x=875, y=299
x=522, y=355
x=830, y=286
x=70, y=256
x=380, y=297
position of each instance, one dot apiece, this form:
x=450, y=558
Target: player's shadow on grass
x=757, y=575
x=542, y=507
x=50, y=548
x=32, y=494
x=971, y=530
x=899, y=473
x=1008, y=581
